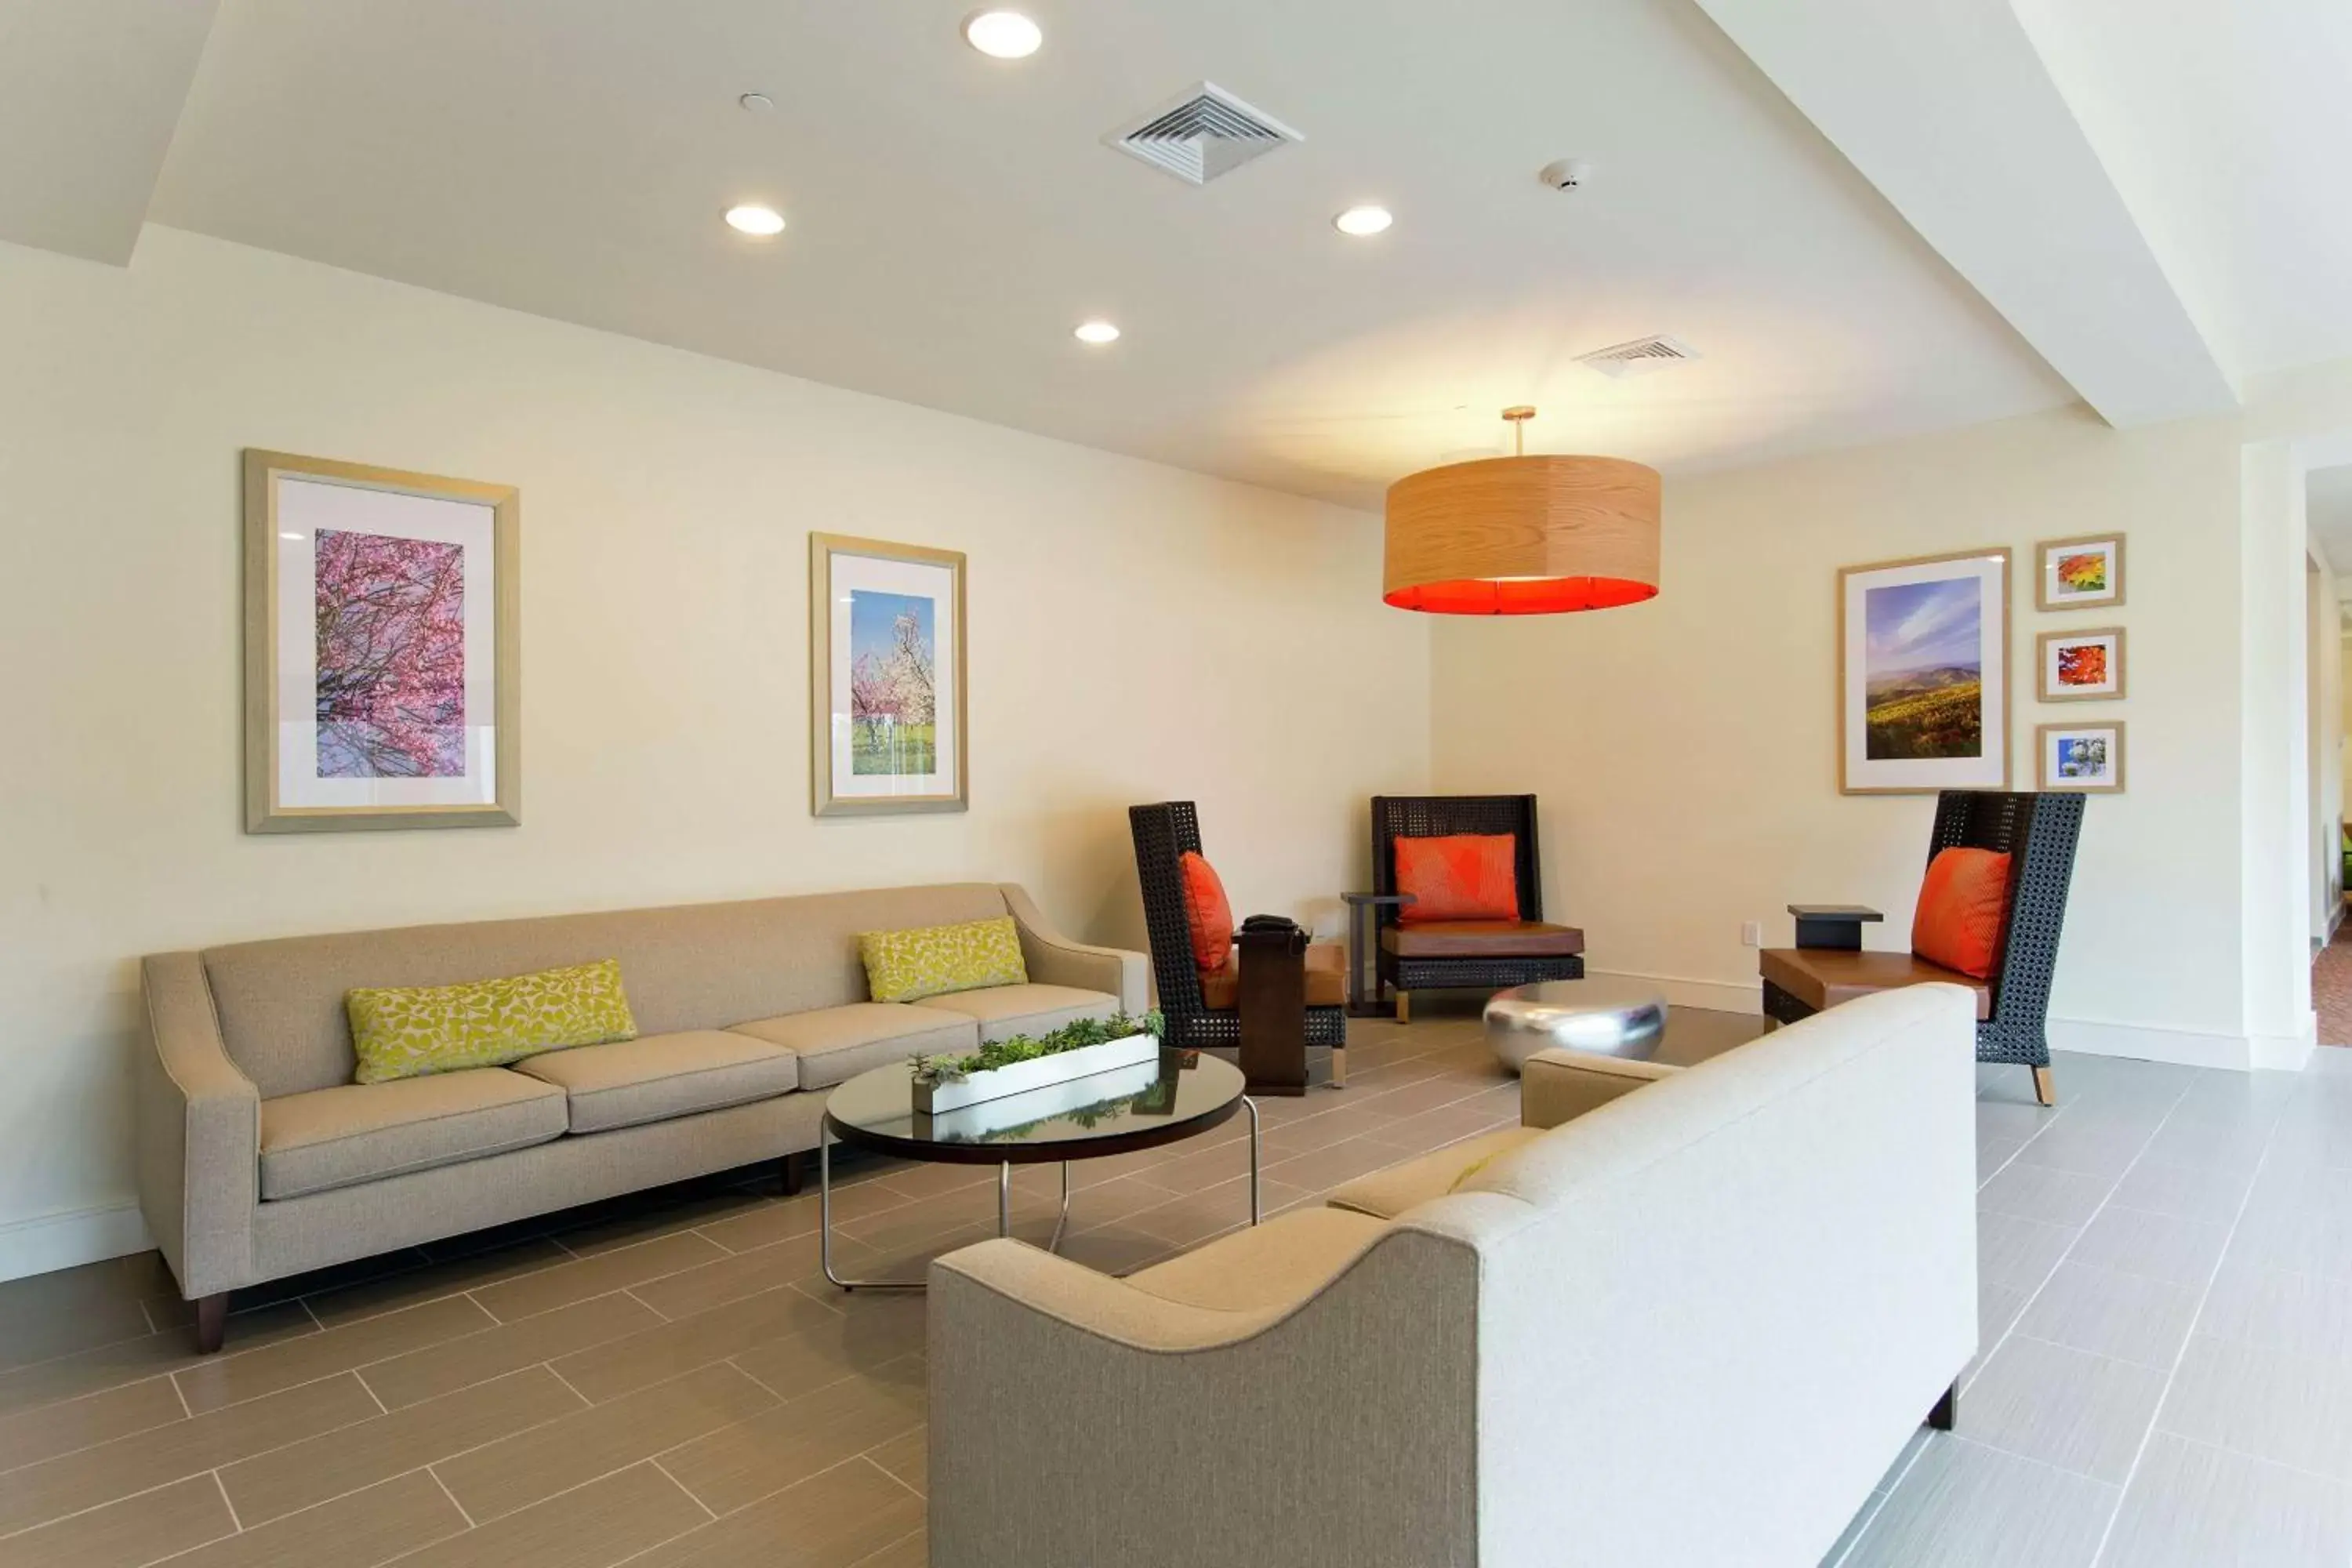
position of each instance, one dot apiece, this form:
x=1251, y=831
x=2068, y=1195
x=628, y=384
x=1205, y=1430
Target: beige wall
x=1137, y=634
x=1685, y=750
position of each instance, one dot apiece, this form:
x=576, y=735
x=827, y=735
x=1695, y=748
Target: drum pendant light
x=1523, y=536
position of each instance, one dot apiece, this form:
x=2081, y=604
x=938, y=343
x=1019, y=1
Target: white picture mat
x=1989, y=771
x=307, y=505
x=850, y=573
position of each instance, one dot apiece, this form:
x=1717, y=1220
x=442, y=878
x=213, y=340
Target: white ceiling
x=2226, y=126
x=951, y=218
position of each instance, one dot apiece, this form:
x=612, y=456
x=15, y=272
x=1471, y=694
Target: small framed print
x=2088, y=758
x=2084, y=573
x=383, y=667
x=2082, y=666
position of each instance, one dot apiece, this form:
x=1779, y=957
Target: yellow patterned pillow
x=418, y=1029
x=906, y=965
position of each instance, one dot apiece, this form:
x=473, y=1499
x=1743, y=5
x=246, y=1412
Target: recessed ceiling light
x=1006, y=35
x=1097, y=332
x=758, y=221
x=1361, y=221
x=756, y=102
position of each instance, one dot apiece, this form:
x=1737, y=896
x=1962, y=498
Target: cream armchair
x=1692, y=1327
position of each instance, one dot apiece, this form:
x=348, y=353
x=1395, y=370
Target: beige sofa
x=259, y=1158
x=1692, y=1326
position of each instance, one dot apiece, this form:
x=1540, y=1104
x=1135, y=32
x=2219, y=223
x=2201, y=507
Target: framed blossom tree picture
x=383, y=671
x=887, y=677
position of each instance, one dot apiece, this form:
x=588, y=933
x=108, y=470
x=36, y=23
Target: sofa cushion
x=1458, y=877
x=835, y=1044
x=1327, y=978
x=1208, y=913
x=357, y=1132
x=406, y=1031
x=656, y=1076
x=1386, y=1194
x=1823, y=977
x=1003, y=1011
x=930, y=961
x=1263, y=1265
x=1482, y=939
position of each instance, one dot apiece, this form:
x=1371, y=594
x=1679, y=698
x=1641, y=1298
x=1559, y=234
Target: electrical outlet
x=1751, y=933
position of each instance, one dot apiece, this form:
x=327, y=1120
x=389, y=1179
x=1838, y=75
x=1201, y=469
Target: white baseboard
x=1720, y=995
x=52, y=1241
x=2185, y=1047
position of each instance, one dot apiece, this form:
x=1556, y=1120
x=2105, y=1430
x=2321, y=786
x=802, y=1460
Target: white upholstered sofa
x=1689, y=1328
x=259, y=1158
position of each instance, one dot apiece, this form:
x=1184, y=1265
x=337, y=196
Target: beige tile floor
x=2167, y=1313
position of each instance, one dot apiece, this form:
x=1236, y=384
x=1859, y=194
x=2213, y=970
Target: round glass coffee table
x=1183, y=1095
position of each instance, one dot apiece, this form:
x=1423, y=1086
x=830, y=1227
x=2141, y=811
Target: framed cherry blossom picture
x=382, y=665
x=886, y=704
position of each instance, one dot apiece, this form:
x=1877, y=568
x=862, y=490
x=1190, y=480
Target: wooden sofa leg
x=212, y=1322
x=792, y=1172
x=1947, y=1411
x=2046, y=1091
x=1404, y=1006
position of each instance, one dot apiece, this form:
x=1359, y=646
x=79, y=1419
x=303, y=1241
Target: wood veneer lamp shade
x=1523, y=536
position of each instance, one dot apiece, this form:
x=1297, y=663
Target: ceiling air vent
x=1639, y=357
x=1205, y=132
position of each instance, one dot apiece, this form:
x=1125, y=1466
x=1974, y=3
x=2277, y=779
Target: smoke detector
x=1639, y=357
x=1567, y=175
x=1204, y=133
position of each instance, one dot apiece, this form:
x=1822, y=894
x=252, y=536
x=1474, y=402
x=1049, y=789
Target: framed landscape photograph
x=2085, y=757
x=2084, y=573
x=2081, y=667
x=887, y=675
x=1923, y=674
x=383, y=670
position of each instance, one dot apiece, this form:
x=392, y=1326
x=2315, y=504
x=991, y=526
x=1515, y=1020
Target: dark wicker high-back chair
x=2038, y=832
x=1396, y=817
x=1162, y=834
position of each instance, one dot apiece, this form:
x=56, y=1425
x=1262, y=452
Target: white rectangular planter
x=980, y=1123
x=1041, y=1072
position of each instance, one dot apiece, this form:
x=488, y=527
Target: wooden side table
x=1363, y=932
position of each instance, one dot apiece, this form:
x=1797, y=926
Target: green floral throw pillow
x=414, y=1030
x=906, y=965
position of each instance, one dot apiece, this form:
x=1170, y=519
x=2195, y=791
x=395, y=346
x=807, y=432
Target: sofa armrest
x=199, y=1122
x=1559, y=1086
x=1062, y=1401
x=1053, y=959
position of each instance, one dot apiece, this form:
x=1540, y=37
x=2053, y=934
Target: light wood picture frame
x=2085, y=758
x=1923, y=679
x=2087, y=665
x=382, y=649
x=890, y=697
x=2084, y=573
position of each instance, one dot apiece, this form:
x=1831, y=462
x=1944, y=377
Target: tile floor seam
x=2204, y=1297
x=445, y=1492
x=892, y=1546
x=710, y=1515
x=1984, y=1356
x=550, y=1367
x=6, y=1535
x=187, y=1410
x=630, y=1293
x=867, y=1457
x=221, y=1486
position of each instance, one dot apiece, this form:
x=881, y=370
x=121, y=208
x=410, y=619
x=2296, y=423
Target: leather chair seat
x=1822, y=977
x=1327, y=978
x=1482, y=939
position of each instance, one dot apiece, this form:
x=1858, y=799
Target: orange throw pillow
x=1463, y=876
x=1207, y=912
x=1961, y=905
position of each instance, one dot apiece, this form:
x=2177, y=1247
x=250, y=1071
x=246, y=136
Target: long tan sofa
x=259, y=1157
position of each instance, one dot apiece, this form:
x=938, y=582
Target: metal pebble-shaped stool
x=1603, y=1016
